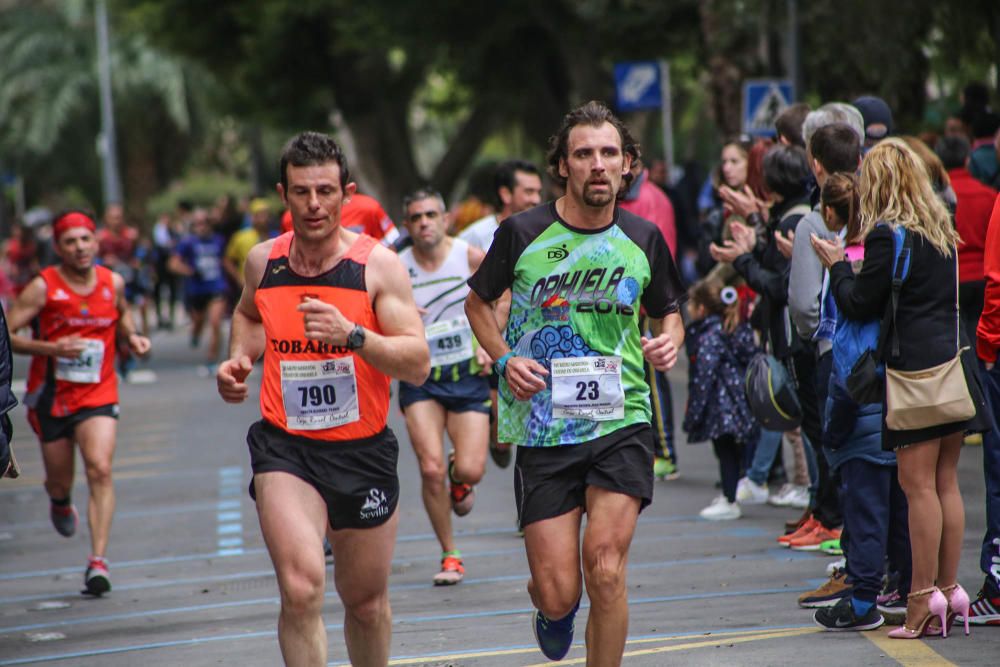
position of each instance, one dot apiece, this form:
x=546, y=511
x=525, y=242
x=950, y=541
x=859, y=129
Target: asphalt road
x=193, y=584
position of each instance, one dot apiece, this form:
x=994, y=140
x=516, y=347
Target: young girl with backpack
x=719, y=347
x=872, y=502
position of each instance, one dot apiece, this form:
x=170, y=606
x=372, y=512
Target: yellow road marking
x=907, y=652
x=712, y=639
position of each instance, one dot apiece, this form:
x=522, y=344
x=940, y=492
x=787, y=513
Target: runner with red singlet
x=77, y=309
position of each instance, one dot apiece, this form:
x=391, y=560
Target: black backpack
x=771, y=394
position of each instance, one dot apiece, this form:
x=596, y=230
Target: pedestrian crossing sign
x=763, y=100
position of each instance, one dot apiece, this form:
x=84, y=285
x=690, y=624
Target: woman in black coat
x=895, y=189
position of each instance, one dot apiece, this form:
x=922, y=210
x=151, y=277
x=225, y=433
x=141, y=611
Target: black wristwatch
x=356, y=338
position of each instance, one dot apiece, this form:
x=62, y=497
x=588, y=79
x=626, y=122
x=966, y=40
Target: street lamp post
x=106, y=144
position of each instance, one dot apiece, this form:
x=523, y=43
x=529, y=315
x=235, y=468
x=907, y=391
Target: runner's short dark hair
x=309, y=149
x=595, y=114
x=425, y=192
x=505, y=176
x=836, y=147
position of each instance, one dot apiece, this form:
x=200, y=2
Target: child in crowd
x=873, y=504
x=720, y=347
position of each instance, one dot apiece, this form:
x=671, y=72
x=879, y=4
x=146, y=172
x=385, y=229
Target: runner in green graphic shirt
x=573, y=394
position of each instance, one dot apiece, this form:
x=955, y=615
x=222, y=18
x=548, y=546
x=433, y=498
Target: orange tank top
x=61, y=387
x=309, y=388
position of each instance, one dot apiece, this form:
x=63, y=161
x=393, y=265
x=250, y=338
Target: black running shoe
x=841, y=617
x=501, y=455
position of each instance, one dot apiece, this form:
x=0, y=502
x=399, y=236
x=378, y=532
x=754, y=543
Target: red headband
x=69, y=221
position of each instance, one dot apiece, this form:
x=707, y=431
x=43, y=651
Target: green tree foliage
x=358, y=68
x=49, y=105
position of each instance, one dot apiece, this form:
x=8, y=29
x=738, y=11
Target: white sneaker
x=750, y=492
x=721, y=510
x=798, y=497
x=777, y=498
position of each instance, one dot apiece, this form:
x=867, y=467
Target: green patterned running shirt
x=575, y=301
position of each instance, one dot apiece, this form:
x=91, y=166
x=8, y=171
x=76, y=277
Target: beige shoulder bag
x=930, y=397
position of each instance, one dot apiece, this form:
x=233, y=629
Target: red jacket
x=989, y=323
x=975, y=202
x=648, y=201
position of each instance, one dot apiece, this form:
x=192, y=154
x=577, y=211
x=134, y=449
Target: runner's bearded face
x=427, y=223
x=314, y=198
x=77, y=248
x=594, y=165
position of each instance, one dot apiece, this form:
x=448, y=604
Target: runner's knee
x=604, y=570
x=366, y=608
x=301, y=593
x=555, y=596
x=468, y=471
x=99, y=472
x=432, y=470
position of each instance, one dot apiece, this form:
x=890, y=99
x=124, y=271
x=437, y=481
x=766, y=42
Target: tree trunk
x=462, y=149
x=725, y=77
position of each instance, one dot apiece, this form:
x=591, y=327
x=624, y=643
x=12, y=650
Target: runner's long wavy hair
x=896, y=188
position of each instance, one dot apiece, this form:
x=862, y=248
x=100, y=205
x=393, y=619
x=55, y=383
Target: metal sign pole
x=107, y=144
x=666, y=116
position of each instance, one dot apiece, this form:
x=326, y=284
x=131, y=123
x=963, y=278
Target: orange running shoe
x=452, y=570
x=803, y=530
x=812, y=541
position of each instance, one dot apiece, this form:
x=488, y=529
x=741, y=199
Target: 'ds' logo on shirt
x=557, y=254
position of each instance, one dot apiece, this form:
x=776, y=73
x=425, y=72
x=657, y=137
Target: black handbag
x=866, y=383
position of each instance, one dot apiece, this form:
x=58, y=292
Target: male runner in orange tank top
x=77, y=309
x=333, y=315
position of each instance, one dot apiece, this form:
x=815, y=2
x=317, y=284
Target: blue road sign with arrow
x=637, y=85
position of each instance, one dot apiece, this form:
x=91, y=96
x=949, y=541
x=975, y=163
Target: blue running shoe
x=554, y=637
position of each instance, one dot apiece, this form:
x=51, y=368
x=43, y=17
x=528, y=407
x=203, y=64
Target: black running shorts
x=356, y=479
x=550, y=481
x=49, y=428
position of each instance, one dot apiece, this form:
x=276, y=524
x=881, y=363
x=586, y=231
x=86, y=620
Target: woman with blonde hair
x=926, y=337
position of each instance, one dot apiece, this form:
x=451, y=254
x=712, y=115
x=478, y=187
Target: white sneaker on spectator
x=750, y=492
x=791, y=496
x=798, y=497
x=777, y=497
x=721, y=509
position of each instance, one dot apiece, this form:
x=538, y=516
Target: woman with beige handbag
x=933, y=395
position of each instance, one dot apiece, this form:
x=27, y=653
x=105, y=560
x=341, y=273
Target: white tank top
x=441, y=293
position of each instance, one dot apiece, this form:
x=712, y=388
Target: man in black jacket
x=8, y=465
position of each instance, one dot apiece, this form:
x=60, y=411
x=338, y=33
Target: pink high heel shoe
x=937, y=606
x=958, y=604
